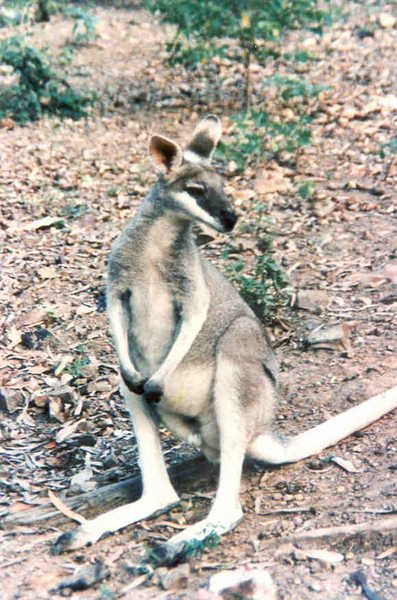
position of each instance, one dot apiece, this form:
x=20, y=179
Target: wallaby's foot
x=78, y=538
x=91, y=531
x=193, y=540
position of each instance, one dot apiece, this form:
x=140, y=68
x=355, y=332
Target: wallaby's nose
x=229, y=219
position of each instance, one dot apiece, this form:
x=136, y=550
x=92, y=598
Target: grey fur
x=190, y=346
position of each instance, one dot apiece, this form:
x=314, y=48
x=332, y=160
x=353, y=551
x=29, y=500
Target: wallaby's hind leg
x=158, y=495
x=233, y=371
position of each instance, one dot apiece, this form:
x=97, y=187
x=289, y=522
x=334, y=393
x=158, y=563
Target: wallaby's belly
x=188, y=390
x=187, y=407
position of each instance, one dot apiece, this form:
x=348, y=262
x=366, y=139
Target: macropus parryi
x=192, y=353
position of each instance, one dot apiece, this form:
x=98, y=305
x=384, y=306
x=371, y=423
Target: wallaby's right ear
x=204, y=141
x=165, y=154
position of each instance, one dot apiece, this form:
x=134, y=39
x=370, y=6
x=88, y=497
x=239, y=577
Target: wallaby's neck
x=163, y=229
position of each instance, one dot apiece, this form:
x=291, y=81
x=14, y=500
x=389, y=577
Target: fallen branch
x=191, y=472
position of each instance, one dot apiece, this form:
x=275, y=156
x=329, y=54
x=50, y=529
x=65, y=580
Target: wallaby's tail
x=270, y=449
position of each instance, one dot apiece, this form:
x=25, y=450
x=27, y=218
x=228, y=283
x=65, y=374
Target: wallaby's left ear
x=205, y=139
x=165, y=154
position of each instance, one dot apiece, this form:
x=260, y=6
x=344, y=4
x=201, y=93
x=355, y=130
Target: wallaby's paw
x=72, y=540
x=153, y=391
x=134, y=384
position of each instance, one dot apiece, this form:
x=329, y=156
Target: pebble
x=248, y=584
x=387, y=21
x=316, y=587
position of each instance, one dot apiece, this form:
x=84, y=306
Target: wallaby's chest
x=153, y=318
x=158, y=282
x=156, y=293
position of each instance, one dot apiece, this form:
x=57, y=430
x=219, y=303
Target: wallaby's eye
x=197, y=190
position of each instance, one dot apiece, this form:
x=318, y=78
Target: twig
x=81, y=289
x=344, y=530
x=13, y=562
x=134, y=584
x=370, y=511
x=65, y=510
x=285, y=511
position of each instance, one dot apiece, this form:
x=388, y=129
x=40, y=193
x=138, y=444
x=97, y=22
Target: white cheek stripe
x=191, y=206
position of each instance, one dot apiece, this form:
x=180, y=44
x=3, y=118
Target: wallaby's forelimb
x=119, y=321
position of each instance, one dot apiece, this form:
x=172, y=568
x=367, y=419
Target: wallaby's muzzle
x=228, y=218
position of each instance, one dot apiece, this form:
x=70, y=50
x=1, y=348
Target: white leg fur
x=269, y=449
x=226, y=511
x=158, y=494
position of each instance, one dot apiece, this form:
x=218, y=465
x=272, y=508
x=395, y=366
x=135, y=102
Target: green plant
x=79, y=362
x=84, y=29
x=389, y=150
x=306, y=189
x=296, y=90
x=261, y=284
x=39, y=89
x=74, y=211
x=251, y=23
x=257, y=136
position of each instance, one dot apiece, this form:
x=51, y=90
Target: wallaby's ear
x=165, y=154
x=205, y=139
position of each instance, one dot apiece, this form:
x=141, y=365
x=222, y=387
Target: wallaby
x=192, y=353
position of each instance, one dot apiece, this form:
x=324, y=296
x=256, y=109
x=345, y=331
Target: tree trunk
x=42, y=12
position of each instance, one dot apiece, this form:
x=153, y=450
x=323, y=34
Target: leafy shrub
x=39, y=90
x=250, y=23
x=84, y=29
x=257, y=136
x=261, y=282
x=261, y=286
x=246, y=21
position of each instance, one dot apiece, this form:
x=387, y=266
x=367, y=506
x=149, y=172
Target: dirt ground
x=67, y=188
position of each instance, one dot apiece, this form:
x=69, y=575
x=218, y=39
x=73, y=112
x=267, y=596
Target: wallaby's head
x=188, y=185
